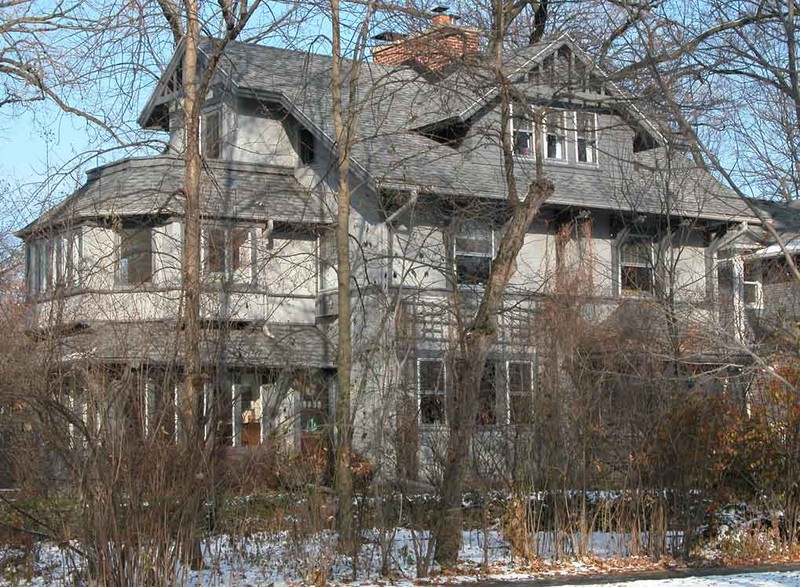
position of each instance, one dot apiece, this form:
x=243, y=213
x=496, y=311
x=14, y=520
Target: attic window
x=306, y=146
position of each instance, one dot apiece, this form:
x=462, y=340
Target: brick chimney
x=431, y=50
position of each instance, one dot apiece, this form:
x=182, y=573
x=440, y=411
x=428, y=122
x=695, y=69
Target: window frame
x=442, y=392
x=530, y=132
x=121, y=242
x=649, y=264
x=561, y=137
x=510, y=394
x=205, y=126
x=459, y=233
x=235, y=267
x=591, y=148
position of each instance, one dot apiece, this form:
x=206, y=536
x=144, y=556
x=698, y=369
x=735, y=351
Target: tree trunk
x=343, y=482
x=191, y=438
x=475, y=346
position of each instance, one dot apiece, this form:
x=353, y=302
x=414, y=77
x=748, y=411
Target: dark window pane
x=306, y=147
x=636, y=278
x=431, y=409
x=472, y=270
x=211, y=135
x=240, y=257
x=519, y=377
x=521, y=408
x=431, y=376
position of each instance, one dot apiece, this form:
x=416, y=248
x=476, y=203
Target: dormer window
x=555, y=135
x=586, y=137
x=135, y=266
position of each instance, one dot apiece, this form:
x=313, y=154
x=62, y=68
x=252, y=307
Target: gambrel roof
x=397, y=104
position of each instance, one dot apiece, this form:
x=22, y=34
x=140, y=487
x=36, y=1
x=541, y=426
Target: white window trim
x=456, y=254
x=532, y=364
x=593, y=159
x=561, y=145
x=531, y=132
x=759, y=291
x=443, y=391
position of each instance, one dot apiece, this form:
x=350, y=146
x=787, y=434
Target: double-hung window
x=636, y=264
x=520, y=391
x=474, y=249
x=522, y=135
x=431, y=391
x=555, y=135
x=586, y=137
x=135, y=256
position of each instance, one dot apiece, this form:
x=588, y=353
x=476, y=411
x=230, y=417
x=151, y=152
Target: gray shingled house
x=632, y=223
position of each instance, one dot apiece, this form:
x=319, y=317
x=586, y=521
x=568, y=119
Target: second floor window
x=555, y=135
x=228, y=252
x=522, y=136
x=212, y=135
x=636, y=264
x=586, y=141
x=474, y=249
x=135, y=256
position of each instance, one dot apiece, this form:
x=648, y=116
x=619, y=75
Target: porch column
x=176, y=396
x=208, y=410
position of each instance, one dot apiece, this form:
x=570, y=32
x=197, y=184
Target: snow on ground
x=285, y=559
x=787, y=579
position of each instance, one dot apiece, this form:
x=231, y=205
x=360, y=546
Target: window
x=752, y=294
x=474, y=249
x=212, y=135
x=306, y=144
x=520, y=391
x=228, y=252
x=430, y=387
x=636, y=264
x=44, y=256
x=586, y=129
x=554, y=135
x=135, y=256
x=522, y=136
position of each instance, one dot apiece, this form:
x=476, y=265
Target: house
x=632, y=228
